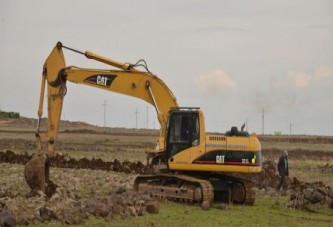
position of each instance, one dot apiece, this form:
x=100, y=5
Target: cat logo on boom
x=101, y=80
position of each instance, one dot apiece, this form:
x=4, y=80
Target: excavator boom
x=126, y=80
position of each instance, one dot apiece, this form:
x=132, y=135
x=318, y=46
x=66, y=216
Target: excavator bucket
x=37, y=172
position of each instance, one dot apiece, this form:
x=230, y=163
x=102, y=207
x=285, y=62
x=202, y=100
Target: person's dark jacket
x=283, y=166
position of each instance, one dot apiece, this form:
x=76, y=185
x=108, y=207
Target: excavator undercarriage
x=197, y=188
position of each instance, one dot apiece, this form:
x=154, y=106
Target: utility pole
x=136, y=118
x=263, y=121
x=104, y=104
x=290, y=126
x=147, y=117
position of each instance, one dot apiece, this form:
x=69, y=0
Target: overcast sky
x=231, y=58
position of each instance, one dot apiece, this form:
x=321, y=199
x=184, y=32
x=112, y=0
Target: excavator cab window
x=183, y=132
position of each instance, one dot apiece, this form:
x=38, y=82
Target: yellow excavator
x=189, y=165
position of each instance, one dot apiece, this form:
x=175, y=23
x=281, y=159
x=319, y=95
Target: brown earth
x=303, y=195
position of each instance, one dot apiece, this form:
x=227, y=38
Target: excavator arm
x=127, y=80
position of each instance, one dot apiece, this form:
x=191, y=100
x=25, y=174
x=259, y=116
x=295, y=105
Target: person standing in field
x=283, y=170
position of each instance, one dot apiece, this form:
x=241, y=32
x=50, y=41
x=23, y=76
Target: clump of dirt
x=36, y=174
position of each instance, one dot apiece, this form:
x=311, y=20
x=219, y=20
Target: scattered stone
x=133, y=211
x=7, y=218
x=222, y=206
x=152, y=207
x=205, y=205
x=97, y=208
x=142, y=210
x=36, y=220
x=273, y=192
x=47, y=214
x=21, y=218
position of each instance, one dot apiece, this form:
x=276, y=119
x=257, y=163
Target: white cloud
x=324, y=73
x=214, y=81
x=298, y=79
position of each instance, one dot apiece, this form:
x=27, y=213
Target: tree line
x=4, y=114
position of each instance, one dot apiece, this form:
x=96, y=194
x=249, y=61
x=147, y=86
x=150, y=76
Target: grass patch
x=265, y=212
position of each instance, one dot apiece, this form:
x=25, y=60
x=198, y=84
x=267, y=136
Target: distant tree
x=5, y=114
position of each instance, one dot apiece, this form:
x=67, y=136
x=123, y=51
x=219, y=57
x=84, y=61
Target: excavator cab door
x=183, y=132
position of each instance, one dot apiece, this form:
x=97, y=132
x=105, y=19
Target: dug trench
x=138, y=167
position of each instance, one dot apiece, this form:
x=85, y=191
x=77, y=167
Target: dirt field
x=97, y=162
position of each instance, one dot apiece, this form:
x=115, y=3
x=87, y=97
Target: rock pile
x=123, y=202
x=303, y=195
x=311, y=196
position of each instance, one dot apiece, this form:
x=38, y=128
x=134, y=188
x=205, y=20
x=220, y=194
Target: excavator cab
x=183, y=131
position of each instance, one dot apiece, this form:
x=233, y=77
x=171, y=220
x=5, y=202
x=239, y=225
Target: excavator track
x=242, y=189
x=250, y=193
x=176, y=187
